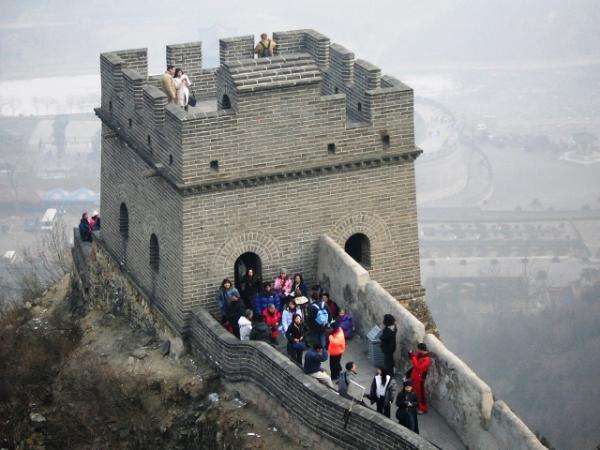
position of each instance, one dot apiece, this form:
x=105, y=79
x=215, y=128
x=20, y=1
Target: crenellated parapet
x=312, y=104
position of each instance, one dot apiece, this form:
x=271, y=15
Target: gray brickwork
x=296, y=402
x=289, y=157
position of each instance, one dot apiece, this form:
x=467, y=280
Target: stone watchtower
x=277, y=152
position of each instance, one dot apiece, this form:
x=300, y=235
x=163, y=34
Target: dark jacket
x=388, y=340
x=84, y=231
x=233, y=311
x=260, y=332
x=313, y=360
x=295, y=332
x=302, y=287
x=407, y=401
x=249, y=288
x=344, y=382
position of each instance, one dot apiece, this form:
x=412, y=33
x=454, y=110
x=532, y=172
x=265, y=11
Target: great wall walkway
x=432, y=426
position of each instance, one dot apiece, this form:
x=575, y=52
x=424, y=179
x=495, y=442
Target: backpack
x=322, y=317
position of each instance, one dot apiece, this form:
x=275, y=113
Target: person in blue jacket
x=268, y=295
x=224, y=294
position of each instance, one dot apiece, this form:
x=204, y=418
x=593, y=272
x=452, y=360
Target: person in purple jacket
x=346, y=323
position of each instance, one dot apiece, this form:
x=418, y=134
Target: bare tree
x=45, y=261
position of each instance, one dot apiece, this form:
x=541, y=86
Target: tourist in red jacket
x=273, y=319
x=420, y=365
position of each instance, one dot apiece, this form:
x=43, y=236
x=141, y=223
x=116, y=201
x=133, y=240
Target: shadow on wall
x=454, y=390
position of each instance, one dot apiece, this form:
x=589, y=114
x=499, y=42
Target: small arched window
x=359, y=248
x=124, y=221
x=154, y=253
x=225, y=102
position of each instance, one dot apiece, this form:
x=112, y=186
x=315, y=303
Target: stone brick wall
x=282, y=224
x=153, y=207
x=241, y=47
x=187, y=57
x=453, y=389
x=104, y=285
x=304, y=399
x=291, y=166
x=297, y=403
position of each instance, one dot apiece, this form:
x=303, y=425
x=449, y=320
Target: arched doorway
x=226, y=102
x=359, y=248
x=245, y=261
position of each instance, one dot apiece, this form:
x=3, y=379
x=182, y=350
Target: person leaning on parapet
x=312, y=365
x=94, y=221
x=168, y=84
x=84, y=228
x=265, y=47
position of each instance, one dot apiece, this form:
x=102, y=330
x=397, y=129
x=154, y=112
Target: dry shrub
x=31, y=353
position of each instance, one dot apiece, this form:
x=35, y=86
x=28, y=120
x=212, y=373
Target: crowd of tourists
x=87, y=224
x=313, y=329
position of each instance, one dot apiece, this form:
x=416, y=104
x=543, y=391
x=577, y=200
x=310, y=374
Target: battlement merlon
x=310, y=104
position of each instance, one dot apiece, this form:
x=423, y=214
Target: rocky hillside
x=83, y=379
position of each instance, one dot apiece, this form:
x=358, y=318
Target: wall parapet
x=308, y=402
x=316, y=407
x=464, y=400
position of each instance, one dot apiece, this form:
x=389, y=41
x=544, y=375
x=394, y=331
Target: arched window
x=154, y=253
x=359, y=248
x=225, y=102
x=245, y=261
x=124, y=221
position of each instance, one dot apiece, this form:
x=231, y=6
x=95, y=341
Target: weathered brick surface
x=298, y=402
x=295, y=160
x=309, y=403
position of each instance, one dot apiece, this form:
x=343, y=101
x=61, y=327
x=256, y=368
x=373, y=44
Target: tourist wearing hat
x=283, y=283
x=407, y=403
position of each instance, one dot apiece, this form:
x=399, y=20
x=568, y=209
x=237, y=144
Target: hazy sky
x=70, y=33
